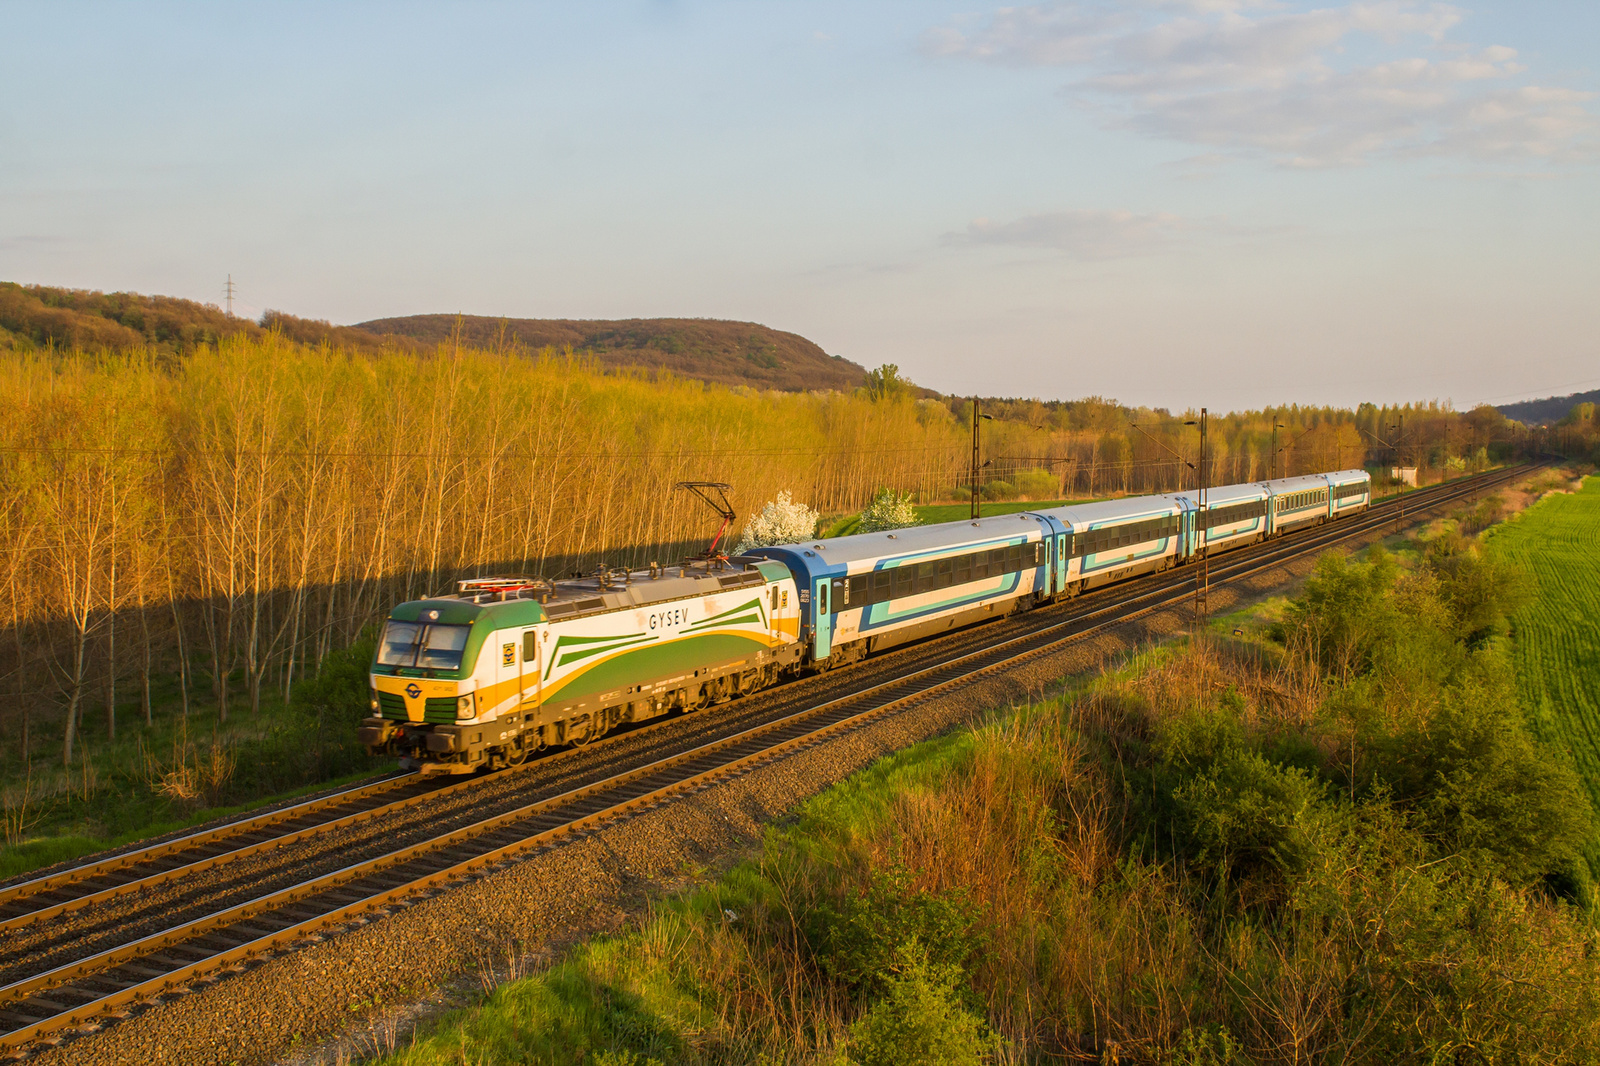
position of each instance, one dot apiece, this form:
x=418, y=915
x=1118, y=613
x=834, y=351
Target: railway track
x=115, y=978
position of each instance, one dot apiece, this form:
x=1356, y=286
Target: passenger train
x=482, y=679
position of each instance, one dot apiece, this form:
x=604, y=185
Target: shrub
x=888, y=510
x=1480, y=592
x=863, y=941
x=1233, y=808
x=781, y=521
x=1037, y=484
x=1483, y=788
x=919, y=1021
x=1345, y=618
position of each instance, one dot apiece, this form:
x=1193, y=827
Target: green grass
x=1557, y=636
x=113, y=793
x=47, y=850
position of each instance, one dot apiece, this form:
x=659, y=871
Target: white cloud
x=1255, y=78
x=1081, y=234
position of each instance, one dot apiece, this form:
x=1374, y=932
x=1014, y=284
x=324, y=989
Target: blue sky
x=1216, y=202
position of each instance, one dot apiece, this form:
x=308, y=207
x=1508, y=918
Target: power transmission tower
x=229, y=292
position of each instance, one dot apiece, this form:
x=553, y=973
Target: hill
x=39, y=316
x=731, y=353
x=1543, y=412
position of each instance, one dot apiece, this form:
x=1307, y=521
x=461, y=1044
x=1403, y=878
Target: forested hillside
x=38, y=316
x=1544, y=412
x=729, y=353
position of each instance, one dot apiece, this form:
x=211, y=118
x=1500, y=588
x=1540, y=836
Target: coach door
x=822, y=611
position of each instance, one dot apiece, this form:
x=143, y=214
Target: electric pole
x=1202, y=579
x=229, y=292
x=972, y=475
x=1202, y=530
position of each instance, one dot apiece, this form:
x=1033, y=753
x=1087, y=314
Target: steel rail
x=618, y=795
x=241, y=827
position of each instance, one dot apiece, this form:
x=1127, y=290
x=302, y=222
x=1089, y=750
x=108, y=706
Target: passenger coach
x=862, y=593
x=1107, y=541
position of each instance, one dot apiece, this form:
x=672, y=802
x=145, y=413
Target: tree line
x=229, y=516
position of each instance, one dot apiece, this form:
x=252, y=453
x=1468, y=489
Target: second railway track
x=56, y=997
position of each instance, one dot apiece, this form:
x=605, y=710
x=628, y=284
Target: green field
x=1557, y=636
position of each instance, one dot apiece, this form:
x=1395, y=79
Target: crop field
x=1558, y=634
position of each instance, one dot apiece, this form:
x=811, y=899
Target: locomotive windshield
x=432, y=647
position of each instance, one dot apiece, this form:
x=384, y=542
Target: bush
x=1233, y=809
x=1482, y=787
x=888, y=510
x=919, y=1021
x=1479, y=591
x=861, y=943
x=781, y=521
x=1037, y=484
x=1345, y=618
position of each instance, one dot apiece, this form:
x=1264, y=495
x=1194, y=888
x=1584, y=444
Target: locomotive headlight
x=372, y=699
x=465, y=707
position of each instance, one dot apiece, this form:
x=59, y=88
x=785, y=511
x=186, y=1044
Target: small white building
x=1406, y=475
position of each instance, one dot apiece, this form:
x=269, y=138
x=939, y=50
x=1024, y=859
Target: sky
x=1178, y=203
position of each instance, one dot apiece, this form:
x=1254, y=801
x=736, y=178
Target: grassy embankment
x=1557, y=643
x=1333, y=839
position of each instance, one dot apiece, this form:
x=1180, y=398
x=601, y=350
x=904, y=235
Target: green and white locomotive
x=509, y=665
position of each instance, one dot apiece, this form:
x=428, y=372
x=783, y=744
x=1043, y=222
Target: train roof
x=1222, y=495
x=512, y=601
x=1079, y=515
x=825, y=556
x=1299, y=483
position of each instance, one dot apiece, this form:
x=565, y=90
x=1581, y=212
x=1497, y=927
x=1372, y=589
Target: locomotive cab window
x=432, y=647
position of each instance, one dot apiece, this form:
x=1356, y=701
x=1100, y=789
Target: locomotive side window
x=530, y=646
x=774, y=597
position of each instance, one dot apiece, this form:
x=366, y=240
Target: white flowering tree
x=782, y=521
x=888, y=510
